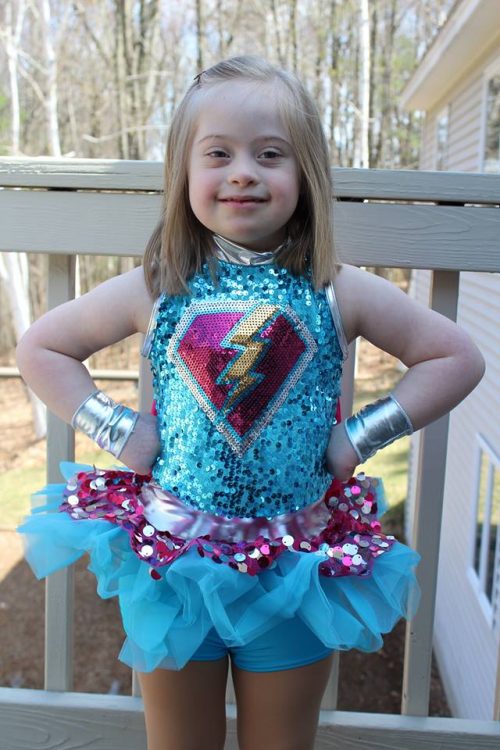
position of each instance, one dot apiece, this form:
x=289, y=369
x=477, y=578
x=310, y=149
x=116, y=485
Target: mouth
x=242, y=199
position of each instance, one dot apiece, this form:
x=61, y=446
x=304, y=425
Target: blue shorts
x=289, y=645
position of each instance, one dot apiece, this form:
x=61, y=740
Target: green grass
x=17, y=486
x=392, y=465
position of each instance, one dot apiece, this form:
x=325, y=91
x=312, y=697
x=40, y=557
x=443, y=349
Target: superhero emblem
x=240, y=359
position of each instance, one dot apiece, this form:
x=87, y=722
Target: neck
x=233, y=253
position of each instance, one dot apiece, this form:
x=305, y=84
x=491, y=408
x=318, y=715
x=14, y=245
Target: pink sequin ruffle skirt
x=175, y=567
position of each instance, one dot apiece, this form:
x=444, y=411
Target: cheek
x=290, y=191
x=290, y=185
x=195, y=190
x=196, y=203
x=201, y=188
x=193, y=195
x=201, y=198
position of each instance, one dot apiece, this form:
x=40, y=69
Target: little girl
x=238, y=528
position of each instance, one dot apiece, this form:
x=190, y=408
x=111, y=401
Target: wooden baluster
x=60, y=447
x=427, y=528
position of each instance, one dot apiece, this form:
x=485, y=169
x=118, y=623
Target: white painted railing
x=445, y=222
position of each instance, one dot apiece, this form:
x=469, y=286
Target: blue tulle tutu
x=167, y=617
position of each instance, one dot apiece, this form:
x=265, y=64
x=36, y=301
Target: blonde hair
x=180, y=244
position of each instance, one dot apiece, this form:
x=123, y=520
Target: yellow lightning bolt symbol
x=240, y=369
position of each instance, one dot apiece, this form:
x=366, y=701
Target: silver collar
x=243, y=256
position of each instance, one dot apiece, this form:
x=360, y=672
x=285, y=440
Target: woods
x=101, y=78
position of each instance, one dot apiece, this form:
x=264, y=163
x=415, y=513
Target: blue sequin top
x=246, y=376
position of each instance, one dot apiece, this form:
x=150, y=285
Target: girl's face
x=243, y=174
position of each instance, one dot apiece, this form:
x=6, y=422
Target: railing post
x=145, y=402
x=60, y=447
x=496, y=704
x=330, y=697
x=427, y=528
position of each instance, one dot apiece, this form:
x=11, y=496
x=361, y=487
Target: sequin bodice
x=246, y=378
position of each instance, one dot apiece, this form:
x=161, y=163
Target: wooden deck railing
x=445, y=222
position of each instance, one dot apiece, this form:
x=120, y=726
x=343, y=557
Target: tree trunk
x=14, y=274
x=293, y=33
x=121, y=96
x=14, y=266
x=51, y=66
x=373, y=47
x=199, y=37
x=364, y=38
x=279, y=44
x=12, y=37
x=334, y=102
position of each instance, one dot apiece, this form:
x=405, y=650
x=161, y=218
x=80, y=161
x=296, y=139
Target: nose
x=243, y=172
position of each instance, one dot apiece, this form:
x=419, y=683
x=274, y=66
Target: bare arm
x=51, y=353
x=444, y=364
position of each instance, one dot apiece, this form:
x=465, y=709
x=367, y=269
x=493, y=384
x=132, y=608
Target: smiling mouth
x=243, y=199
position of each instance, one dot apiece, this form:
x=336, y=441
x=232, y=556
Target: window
x=491, y=120
x=442, y=140
x=486, y=552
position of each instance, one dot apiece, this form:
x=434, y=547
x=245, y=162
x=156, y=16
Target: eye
x=217, y=153
x=270, y=153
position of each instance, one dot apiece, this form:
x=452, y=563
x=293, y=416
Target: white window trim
x=490, y=609
x=492, y=70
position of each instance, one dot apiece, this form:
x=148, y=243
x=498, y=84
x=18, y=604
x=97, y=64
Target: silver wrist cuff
x=103, y=420
x=377, y=425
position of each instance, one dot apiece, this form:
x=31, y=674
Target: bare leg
x=280, y=709
x=186, y=710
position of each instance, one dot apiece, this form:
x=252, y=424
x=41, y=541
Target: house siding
x=465, y=121
x=464, y=130
x=465, y=640
x=428, y=149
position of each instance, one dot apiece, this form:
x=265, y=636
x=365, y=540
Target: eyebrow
x=221, y=136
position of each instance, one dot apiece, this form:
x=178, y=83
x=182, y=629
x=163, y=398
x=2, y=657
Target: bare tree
x=279, y=42
x=199, y=36
x=14, y=270
x=364, y=85
x=50, y=65
x=380, y=151
x=12, y=37
x=135, y=33
x=293, y=33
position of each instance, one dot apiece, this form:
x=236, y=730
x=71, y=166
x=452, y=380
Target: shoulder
x=373, y=307
x=357, y=293
x=125, y=296
x=111, y=311
x=143, y=303
x=378, y=310
x=349, y=278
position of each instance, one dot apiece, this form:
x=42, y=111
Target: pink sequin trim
x=341, y=529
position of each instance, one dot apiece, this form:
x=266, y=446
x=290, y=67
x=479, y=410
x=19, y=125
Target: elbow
x=25, y=355
x=473, y=364
x=480, y=367
x=22, y=355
